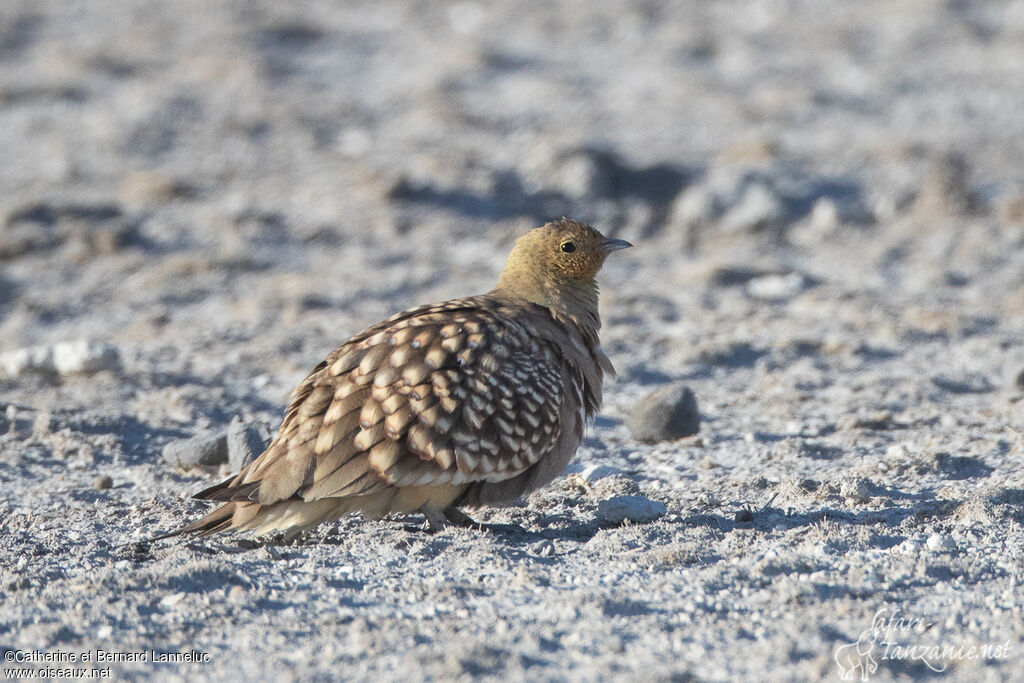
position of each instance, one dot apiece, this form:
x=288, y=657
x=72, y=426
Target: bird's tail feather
x=218, y=520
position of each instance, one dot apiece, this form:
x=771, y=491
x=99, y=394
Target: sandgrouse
x=459, y=404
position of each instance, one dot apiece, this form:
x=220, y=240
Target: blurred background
x=155, y=155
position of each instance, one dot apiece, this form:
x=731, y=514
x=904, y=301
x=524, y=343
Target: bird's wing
x=460, y=392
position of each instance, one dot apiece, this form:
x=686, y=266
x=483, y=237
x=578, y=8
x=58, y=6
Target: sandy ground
x=827, y=200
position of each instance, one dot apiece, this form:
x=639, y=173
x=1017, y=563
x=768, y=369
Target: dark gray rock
x=964, y=383
x=665, y=414
x=246, y=441
x=40, y=226
x=207, y=450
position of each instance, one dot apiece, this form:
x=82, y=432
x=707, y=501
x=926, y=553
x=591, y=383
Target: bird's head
x=555, y=265
x=562, y=251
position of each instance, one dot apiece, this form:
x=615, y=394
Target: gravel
x=222, y=192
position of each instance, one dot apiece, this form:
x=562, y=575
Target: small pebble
x=822, y=221
x=776, y=287
x=758, y=207
x=964, y=383
x=939, y=542
x=880, y=420
x=897, y=452
x=543, y=548
x=908, y=547
x=84, y=356
x=103, y=482
x=855, y=489
x=729, y=276
x=707, y=499
x=632, y=508
x=146, y=188
x=169, y=601
x=667, y=413
x=592, y=473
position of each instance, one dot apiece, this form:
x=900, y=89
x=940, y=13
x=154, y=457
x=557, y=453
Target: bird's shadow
x=536, y=527
x=551, y=528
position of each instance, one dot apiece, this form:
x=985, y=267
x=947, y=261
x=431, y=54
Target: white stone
x=633, y=508
x=776, y=287
x=85, y=356
x=171, y=600
x=756, y=208
x=592, y=473
x=31, y=359
x=64, y=358
x=824, y=216
x=694, y=207
x=939, y=542
x=896, y=451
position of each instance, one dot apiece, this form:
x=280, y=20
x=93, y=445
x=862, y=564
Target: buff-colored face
x=566, y=249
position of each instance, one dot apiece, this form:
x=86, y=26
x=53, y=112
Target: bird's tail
x=218, y=520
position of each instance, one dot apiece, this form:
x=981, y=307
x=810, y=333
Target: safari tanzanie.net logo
x=893, y=636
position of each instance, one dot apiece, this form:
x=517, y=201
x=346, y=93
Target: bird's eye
x=568, y=247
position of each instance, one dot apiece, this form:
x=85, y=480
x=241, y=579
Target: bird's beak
x=615, y=245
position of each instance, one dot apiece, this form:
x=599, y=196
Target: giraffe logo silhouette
x=858, y=657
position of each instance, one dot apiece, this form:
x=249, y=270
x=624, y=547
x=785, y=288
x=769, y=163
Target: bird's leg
x=459, y=518
x=436, y=519
x=439, y=519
